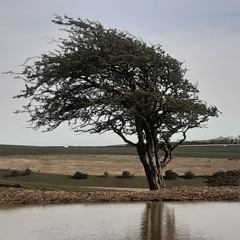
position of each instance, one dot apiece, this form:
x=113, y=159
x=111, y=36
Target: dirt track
x=114, y=164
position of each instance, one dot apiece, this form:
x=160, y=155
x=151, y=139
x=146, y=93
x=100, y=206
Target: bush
x=170, y=175
x=228, y=178
x=189, y=175
x=126, y=174
x=80, y=175
x=28, y=171
x=15, y=173
x=106, y=174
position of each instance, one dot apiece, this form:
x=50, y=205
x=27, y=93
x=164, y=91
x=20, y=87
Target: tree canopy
x=101, y=80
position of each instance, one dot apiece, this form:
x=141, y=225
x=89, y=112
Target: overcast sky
x=204, y=34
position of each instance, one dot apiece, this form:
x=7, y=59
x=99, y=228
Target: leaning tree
x=101, y=80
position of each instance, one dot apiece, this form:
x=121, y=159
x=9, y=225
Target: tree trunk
x=152, y=170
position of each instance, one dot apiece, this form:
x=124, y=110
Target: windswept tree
x=101, y=80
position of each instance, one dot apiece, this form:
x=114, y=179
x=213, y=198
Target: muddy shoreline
x=15, y=196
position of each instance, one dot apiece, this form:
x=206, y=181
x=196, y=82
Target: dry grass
x=114, y=164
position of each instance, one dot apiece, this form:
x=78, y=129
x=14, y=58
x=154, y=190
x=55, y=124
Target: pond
x=122, y=221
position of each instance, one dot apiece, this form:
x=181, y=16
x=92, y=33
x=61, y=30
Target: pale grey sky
x=204, y=34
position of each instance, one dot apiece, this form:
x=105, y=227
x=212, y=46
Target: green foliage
x=189, y=175
x=228, y=178
x=80, y=175
x=170, y=175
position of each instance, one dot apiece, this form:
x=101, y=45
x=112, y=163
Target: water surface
x=136, y=221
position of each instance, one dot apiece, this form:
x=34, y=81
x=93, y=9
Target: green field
x=198, y=151
x=209, y=151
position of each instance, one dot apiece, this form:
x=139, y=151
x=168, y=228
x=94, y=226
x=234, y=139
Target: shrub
x=170, y=175
x=80, y=175
x=189, y=175
x=228, y=178
x=126, y=174
x=15, y=173
x=106, y=174
x=28, y=171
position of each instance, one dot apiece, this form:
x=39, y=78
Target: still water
x=136, y=221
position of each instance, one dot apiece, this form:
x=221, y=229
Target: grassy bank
x=197, y=151
x=67, y=183
x=65, y=161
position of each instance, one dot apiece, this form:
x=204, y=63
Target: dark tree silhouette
x=101, y=80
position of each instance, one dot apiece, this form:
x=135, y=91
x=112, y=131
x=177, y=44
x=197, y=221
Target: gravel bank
x=9, y=196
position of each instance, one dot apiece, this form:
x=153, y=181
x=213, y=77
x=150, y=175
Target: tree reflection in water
x=158, y=222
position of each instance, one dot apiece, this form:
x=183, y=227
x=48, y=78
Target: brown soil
x=9, y=196
x=113, y=164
